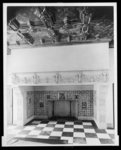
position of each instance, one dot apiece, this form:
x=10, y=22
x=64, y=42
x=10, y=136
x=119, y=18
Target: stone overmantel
x=59, y=77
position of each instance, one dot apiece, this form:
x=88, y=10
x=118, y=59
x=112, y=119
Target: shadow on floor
x=44, y=141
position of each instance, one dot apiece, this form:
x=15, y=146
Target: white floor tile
x=41, y=125
x=103, y=136
x=11, y=127
x=70, y=140
x=43, y=136
x=52, y=122
x=68, y=129
x=56, y=133
x=87, y=123
x=35, y=132
x=29, y=127
x=21, y=135
x=14, y=131
x=79, y=134
x=89, y=131
x=78, y=126
x=48, y=128
x=69, y=123
x=110, y=131
x=93, y=141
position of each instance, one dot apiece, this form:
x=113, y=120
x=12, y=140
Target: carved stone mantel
x=60, y=77
x=99, y=79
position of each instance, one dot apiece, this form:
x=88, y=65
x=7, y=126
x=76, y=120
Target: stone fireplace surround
x=59, y=82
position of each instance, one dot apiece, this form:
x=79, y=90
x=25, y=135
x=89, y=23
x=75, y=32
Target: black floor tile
x=68, y=126
x=39, y=128
x=88, y=127
x=63, y=118
x=78, y=130
x=106, y=141
x=69, y=134
x=35, y=123
x=111, y=135
x=58, y=129
x=50, y=125
x=44, y=121
x=87, y=121
x=90, y=135
x=78, y=122
x=45, y=132
x=100, y=131
x=60, y=122
x=29, y=123
x=55, y=137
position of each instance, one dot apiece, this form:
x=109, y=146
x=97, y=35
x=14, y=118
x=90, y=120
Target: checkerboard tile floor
x=73, y=132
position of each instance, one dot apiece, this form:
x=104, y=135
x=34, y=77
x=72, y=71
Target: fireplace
x=80, y=100
x=80, y=87
x=71, y=104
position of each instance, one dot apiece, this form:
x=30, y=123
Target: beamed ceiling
x=44, y=26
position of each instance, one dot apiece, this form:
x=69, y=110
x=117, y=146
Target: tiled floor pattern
x=64, y=132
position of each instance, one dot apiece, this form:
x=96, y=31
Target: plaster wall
x=60, y=58
x=23, y=110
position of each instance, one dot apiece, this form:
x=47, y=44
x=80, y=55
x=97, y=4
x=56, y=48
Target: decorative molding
x=67, y=77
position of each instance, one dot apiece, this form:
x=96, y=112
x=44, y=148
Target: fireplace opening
x=62, y=102
x=71, y=104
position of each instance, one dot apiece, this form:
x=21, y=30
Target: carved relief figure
x=83, y=76
x=61, y=96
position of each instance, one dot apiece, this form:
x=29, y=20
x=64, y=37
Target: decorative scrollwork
x=61, y=77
